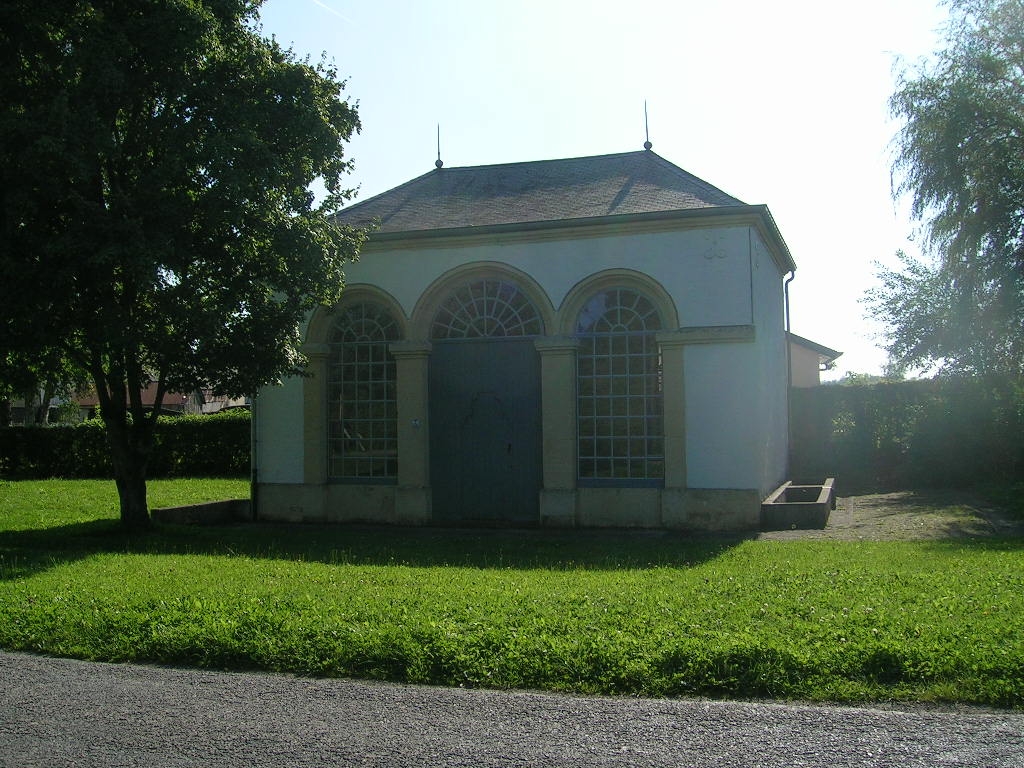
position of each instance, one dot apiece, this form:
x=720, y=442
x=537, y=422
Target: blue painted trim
x=623, y=483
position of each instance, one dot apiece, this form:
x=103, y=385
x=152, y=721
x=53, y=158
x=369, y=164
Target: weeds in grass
x=655, y=615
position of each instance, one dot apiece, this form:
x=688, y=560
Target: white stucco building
x=596, y=341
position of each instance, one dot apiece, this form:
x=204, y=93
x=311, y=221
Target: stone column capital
x=410, y=348
x=557, y=345
x=314, y=351
x=709, y=334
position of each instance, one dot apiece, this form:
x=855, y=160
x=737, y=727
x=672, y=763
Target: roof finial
x=647, y=132
x=438, y=163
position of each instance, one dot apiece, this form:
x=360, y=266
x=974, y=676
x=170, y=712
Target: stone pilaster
x=558, y=424
x=314, y=410
x=413, y=495
x=672, y=348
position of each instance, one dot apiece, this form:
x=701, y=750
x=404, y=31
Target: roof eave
x=758, y=213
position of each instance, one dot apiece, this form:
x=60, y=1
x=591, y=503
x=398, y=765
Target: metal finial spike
x=647, y=132
x=438, y=163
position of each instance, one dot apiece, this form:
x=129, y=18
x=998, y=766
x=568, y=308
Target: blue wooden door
x=485, y=432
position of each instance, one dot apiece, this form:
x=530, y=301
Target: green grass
x=44, y=504
x=645, y=614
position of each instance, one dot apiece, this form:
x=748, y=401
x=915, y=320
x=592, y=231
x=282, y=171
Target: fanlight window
x=486, y=308
x=362, y=407
x=619, y=389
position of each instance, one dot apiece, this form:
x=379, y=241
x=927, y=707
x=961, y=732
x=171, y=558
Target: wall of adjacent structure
x=806, y=366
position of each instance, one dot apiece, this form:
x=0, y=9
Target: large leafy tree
x=156, y=162
x=960, y=158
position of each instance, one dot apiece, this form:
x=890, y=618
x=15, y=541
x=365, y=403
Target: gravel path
x=57, y=712
x=909, y=516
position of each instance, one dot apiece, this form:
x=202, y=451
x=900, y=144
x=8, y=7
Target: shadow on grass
x=25, y=552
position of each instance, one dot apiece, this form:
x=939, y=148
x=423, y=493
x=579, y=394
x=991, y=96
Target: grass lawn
x=654, y=614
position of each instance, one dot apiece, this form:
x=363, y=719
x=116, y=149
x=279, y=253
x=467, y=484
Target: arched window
x=361, y=402
x=486, y=308
x=619, y=389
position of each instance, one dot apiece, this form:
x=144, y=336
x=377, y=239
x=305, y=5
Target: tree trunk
x=28, y=413
x=5, y=412
x=129, y=451
x=131, y=489
x=42, y=411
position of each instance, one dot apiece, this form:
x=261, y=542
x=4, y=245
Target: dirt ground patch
x=911, y=515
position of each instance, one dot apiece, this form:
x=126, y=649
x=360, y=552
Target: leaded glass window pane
x=362, y=430
x=486, y=308
x=618, y=371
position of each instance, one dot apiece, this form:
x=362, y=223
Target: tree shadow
x=25, y=552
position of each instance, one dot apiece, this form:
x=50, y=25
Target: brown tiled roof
x=826, y=354
x=545, y=190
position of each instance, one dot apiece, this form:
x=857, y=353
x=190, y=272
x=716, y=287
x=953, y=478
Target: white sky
x=783, y=103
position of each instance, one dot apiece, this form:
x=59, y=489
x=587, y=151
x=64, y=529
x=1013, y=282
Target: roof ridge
x=385, y=192
x=707, y=184
x=543, y=162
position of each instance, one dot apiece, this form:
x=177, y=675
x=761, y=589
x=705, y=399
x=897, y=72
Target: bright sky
x=783, y=103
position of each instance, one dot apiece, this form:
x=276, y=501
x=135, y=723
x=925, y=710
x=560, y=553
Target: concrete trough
x=803, y=506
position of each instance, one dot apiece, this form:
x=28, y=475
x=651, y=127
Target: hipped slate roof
x=540, y=191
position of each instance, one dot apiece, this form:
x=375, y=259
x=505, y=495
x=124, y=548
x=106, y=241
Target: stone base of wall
x=307, y=503
x=618, y=507
x=558, y=509
x=711, y=509
x=692, y=509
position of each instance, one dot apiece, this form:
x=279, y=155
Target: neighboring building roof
x=826, y=355
x=545, y=190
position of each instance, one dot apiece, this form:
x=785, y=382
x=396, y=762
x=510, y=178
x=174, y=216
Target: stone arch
x=609, y=279
x=615, y=317
x=316, y=387
x=443, y=288
x=319, y=328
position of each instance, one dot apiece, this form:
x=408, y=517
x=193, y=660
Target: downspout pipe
x=789, y=379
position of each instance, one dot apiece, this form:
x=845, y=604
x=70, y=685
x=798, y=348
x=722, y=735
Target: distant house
x=174, y=403
x=807, y=360
x=596, y=341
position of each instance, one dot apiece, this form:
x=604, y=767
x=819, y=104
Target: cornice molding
x=710, y=334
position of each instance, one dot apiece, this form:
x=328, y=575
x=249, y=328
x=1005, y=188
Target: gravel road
x=56, y=712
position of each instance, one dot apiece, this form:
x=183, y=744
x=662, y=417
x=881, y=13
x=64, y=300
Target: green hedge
x=926, y=433
x=185, y=446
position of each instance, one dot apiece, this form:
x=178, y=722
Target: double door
x=485, y=431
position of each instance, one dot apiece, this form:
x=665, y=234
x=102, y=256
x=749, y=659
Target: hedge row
x=937, y=432
x=927, y=433
x=185, y=446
